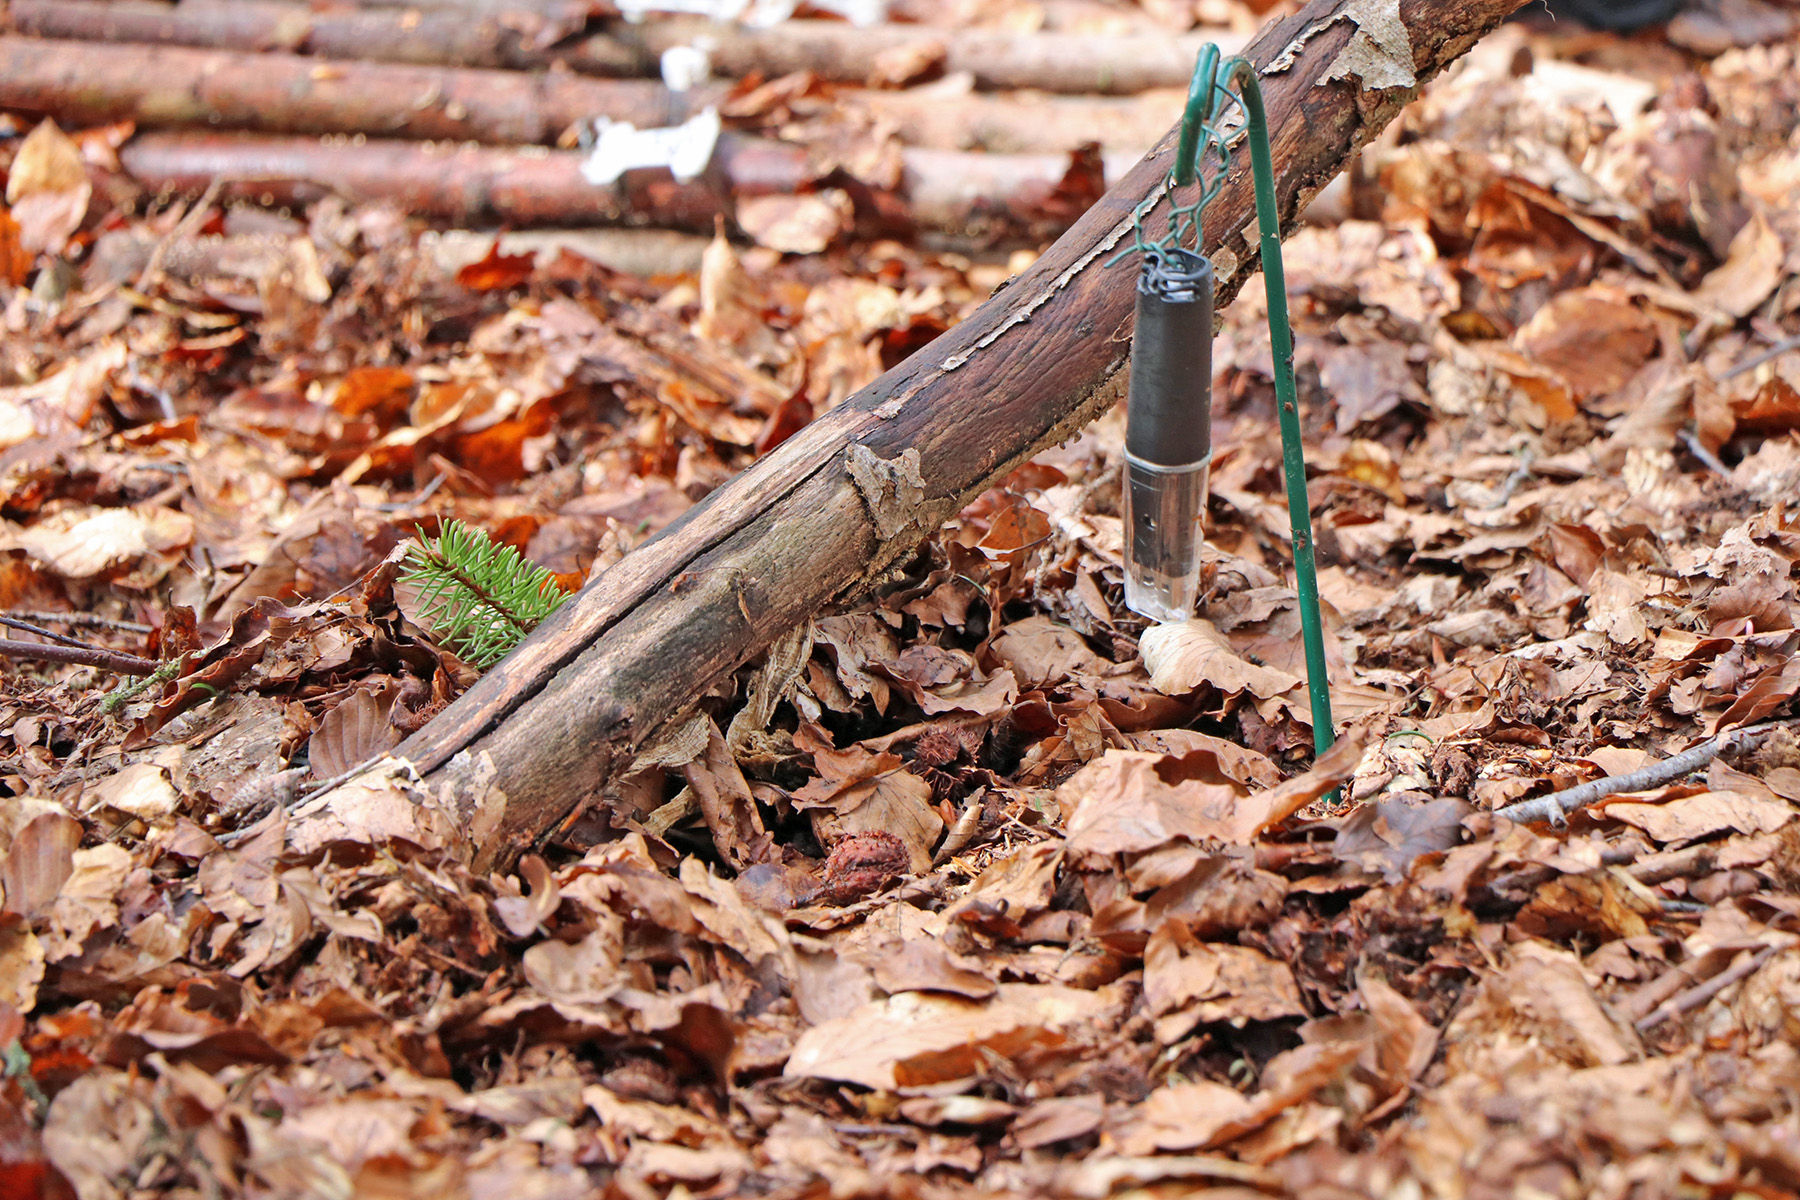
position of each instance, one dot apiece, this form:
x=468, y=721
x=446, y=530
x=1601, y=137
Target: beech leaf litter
x=976, y=885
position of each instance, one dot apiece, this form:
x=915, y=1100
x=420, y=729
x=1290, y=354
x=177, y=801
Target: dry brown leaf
x=1121, y=804
x=919, y=1039
x=1751, y=270
x=1189, y=983
x=1041, y=652
x=1590, y=340
x=1368, y=381
x=1404, y=1041
x=928, y=965
x=1183, y=655
x=48, y=189
x=21, y=963
x=1057, y=1119
x=38, y=840
x=585, y=973
x=62, y=402
x=1127, y=802
x=1701, y=816
x=81, y=542
x=897, y=802
x=141, y=790
x=798, y=224
x=352, y=732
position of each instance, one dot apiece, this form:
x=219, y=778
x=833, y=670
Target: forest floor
x=1027, y=917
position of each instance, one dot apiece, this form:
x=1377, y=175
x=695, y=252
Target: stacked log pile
x=483, y=111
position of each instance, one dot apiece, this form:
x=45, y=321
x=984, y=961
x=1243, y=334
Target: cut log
x=431, y=38
x=929, y=117
x=161, y=86
x=847, y=497
x=1021, y=123
x=944, y=189
x=1051, y=62
x=498, y=37
x=556, y=10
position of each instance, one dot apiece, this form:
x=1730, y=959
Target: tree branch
x=1558, y=805
x=85, y=656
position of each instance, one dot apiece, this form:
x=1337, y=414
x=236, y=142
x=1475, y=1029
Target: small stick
x=185, y=225
x=1707, y=458
x=61, y=639
x=79, y=621
x=1558, y=805
x=85, y=656
x=1695, y=996
x=1757, y=360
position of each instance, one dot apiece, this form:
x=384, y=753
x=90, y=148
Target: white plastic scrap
x=620, y=146
x=685, y=68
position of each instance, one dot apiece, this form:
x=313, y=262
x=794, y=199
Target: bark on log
x=497, y=37
x=1052, y=62
x=558, y=10
x=1009, y=124
x=1022, y=123
x=161, y=86
x=431, y=38
x=944, y=189
x=843, y=500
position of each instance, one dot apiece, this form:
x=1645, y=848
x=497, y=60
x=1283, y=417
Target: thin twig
x=1707, y=458
x=79, y=621
x=61, y=639
x=85, y=656
x=1757, y=360
x=1557, y=805
x=1699, y=994
x=185, y=225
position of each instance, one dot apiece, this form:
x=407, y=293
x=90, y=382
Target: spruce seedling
x=478, y=597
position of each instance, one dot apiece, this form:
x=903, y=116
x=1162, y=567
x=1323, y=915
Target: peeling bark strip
x=893, y=489
x=794, y=533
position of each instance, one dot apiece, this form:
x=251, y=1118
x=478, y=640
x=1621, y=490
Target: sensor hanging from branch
x=1168, y=434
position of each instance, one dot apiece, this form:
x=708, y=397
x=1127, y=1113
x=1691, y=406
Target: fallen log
x=994, y=58
x=429, y=38
x=943, y=189
x=1021, y=123
x=847, y=497
x=568, y=11
x=161, y=86
x=1009, y=124
x=498, y=36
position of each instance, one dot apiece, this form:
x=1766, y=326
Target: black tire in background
x=1620, y=16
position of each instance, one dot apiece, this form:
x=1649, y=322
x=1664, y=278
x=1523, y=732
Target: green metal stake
x=1242, y=73
x=1208, y=93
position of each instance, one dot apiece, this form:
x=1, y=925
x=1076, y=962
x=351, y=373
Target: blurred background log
x=505, y=35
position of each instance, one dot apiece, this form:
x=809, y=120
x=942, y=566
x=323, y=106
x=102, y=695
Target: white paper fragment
x=685, y=68
x=620, y=146
x=1380, y=51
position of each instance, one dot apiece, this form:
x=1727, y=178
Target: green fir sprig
x=478, y=597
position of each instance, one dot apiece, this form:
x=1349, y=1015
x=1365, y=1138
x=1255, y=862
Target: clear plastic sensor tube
x=1168, y=434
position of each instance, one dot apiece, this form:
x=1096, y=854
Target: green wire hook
x=1215, y=85
x=1196, y=115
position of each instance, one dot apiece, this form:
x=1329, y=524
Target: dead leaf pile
x=977, y=886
